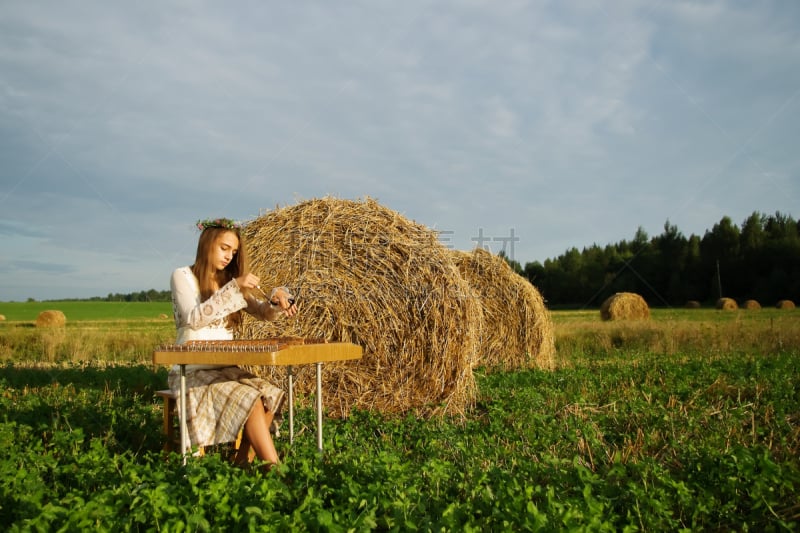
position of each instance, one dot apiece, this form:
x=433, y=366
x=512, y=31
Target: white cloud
x=136, y=120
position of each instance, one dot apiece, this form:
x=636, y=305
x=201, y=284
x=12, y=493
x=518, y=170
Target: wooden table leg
x=319, y=407
x=182, y=417
x=290, y=373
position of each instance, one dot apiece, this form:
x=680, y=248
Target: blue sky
x=564, y=123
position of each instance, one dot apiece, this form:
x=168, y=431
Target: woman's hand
x=248, y=281
x=283, y=298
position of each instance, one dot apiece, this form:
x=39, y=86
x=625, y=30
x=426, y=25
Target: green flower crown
x=226, y=223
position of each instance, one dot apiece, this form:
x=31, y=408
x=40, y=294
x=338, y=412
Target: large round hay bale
x=624, y=306
x=751, y=305
x=366, y=274
x=692, y=304
x=517, y=330
x=785, y=304
x=2, y=318
x=727, y=304
x=51, y=319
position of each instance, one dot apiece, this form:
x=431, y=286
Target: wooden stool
x=172, y=430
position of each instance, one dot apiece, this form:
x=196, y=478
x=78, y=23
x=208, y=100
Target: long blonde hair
x=211, y=279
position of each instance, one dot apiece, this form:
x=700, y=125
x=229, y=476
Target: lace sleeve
x=191, y=312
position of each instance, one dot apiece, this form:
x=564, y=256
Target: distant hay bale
x=51, y=319
x=692, y=304
x=517, y=330
x=785, y=304
x=624, y=306
x=727, y=304
x=751, y=305
x=365, y=274
x=163, y=316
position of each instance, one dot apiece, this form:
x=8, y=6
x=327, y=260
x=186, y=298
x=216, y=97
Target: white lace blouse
x=206, y=320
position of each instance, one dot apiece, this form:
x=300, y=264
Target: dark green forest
x=759, y=260
x=142, y=296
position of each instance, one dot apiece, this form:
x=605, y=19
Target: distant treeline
x=142, y=296
x=759, y=261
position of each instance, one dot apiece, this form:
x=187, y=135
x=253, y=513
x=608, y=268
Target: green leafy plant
x=618, y=439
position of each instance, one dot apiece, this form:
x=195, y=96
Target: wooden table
x=287, y=352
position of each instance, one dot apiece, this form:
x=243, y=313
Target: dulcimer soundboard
x=282, y=351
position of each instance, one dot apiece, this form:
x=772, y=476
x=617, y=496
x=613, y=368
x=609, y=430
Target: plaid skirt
x=219, y=401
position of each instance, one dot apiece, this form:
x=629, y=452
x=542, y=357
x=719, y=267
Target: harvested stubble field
x=688, y=420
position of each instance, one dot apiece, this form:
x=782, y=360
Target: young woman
x=208, y=298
